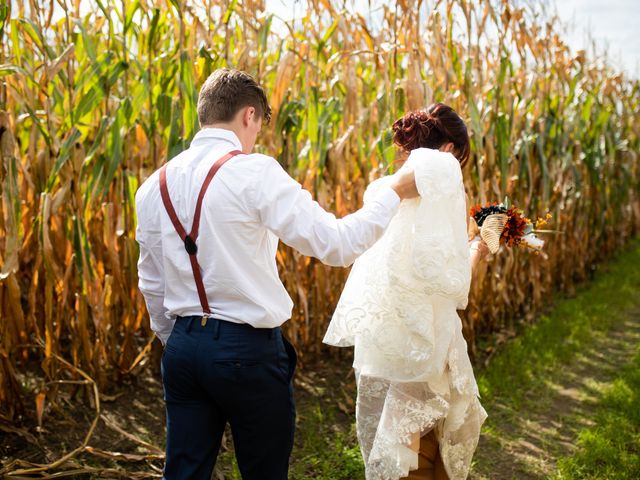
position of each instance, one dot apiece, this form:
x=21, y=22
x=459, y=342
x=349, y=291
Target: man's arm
x=290, y=213
x=151, y=284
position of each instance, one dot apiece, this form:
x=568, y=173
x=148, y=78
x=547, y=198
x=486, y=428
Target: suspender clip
x=205, y=318
x=190, y=246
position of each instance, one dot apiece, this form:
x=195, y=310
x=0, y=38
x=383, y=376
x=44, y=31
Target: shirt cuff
x=388, y=198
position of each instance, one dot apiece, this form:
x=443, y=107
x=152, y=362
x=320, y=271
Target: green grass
x=325, y=450
x=524, y=387
x=326, y=453
x=611, y=448
x=558, y=337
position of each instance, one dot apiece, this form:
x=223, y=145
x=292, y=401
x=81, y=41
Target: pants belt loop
x=216, y=328
x=189, y=323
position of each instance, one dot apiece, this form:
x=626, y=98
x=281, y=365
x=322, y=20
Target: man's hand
x=404, y=183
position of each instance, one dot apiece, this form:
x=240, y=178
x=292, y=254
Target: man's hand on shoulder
x=404, y=183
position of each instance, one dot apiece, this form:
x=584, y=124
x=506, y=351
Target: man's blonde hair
x=225, y=92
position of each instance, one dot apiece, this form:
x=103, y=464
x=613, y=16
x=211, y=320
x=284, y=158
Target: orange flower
x=515, y=227
x=475, y=210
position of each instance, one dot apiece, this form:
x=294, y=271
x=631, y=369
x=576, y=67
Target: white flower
x=533, y=241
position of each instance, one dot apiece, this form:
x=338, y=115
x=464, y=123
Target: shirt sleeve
x=151, y=284
x=288, y=210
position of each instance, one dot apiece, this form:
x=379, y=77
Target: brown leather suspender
x=190, y=238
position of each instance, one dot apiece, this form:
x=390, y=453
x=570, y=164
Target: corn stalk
x=94, y=99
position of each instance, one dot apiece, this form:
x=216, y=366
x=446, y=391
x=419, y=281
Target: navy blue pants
x=228, y=373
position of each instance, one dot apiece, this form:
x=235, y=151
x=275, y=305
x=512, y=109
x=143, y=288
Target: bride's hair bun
x=431, y=128
x=412, y=130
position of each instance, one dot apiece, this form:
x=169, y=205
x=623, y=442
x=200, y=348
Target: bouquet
x=506, y=224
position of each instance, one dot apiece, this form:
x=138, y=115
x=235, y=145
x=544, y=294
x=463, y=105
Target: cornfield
x=94, y=96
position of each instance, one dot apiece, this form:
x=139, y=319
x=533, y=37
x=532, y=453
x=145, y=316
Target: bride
x=418, y=413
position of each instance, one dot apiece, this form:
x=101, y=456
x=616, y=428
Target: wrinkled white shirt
x=250, y=204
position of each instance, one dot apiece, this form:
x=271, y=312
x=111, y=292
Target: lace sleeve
x=439, y=246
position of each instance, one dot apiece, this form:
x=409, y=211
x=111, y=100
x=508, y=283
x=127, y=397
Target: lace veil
x=398, y=309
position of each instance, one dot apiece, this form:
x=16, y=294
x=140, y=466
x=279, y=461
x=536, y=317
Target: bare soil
x=525, y=441
x=128, y=440
x=519, y=442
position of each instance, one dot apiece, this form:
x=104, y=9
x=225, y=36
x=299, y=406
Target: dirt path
x=524, y=441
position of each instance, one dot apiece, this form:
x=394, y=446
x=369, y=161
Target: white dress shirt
x=250, y=204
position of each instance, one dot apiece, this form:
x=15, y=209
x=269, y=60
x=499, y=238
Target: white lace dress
x=398, y=309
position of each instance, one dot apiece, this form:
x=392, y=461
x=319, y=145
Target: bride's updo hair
x=433, y=127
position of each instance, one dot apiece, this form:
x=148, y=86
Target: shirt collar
x=208, y=134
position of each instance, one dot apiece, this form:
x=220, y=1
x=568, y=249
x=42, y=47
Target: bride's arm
x=477, y=247
x=477, y=251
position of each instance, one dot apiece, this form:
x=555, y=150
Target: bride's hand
x=480, y=246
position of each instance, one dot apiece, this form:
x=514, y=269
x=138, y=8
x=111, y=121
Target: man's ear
x=248, y=116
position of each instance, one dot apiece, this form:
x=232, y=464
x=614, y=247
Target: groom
x=208, y=228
